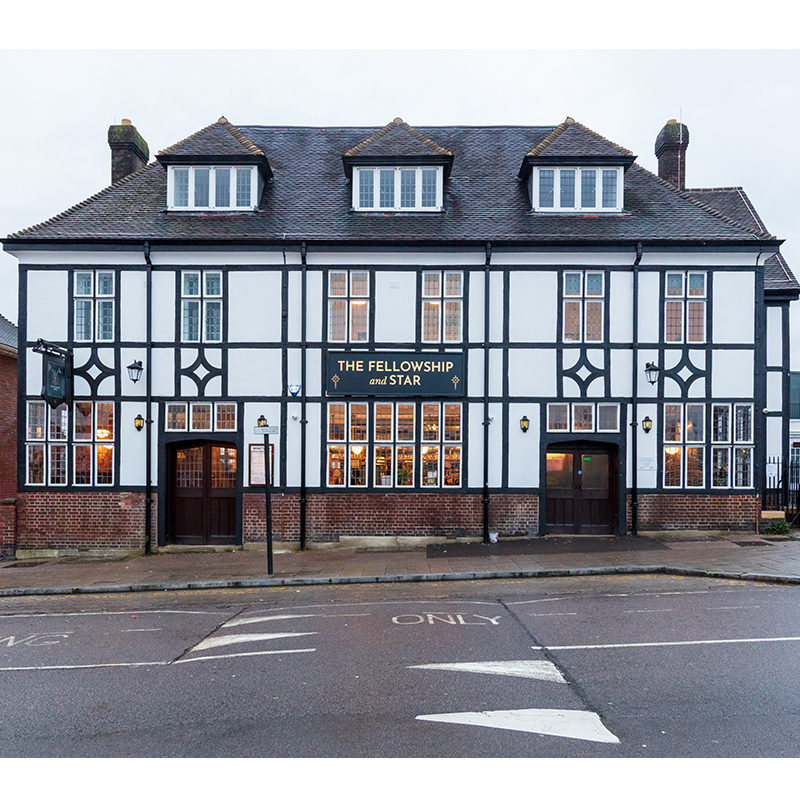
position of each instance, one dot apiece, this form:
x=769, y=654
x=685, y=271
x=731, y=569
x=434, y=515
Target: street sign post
x=266, y=430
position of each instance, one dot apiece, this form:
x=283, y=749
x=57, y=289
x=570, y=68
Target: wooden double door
x=581, y=489
x=202, y=493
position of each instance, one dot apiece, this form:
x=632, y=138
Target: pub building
x=449, y=331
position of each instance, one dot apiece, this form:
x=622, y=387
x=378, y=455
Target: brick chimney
x=671, y=146
x=129, y=152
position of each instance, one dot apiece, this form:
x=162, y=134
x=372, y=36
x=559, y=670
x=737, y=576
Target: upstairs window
x=348, y=306
x=212, y=188
x=584, y=304
x=442, y=306
x=201, y=306
x=685, y=307
x=94, y=306
x=577, y=189
x=397, y=189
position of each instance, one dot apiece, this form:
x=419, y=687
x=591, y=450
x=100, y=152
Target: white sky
x=741, y=105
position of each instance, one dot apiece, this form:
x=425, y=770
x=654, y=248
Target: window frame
x=397, y=186
x=682, y=442
x=94, y=300
x=570, y=419
x=232, y=170
x=582, y=299
x=442, y=298
x=349, y=299
x=684, y=300
x=578, y=206
x=204, y=301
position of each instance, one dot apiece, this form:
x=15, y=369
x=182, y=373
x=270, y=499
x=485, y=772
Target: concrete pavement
x=732, y=556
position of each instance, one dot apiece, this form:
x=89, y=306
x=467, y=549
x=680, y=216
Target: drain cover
x=753, y=544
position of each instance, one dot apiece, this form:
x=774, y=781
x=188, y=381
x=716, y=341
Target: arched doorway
x=202, y=493
x=581, y=488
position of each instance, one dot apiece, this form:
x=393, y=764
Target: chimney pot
x=129, y=151
x=671, y=144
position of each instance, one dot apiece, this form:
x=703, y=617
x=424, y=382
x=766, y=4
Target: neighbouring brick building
x=450, y=330
x=8, y=435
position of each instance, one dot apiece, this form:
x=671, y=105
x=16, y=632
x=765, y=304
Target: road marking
x=87, y=666
x=667, y=644
x=539, y=670
x=251, y=620
x=238, y=655
x=236, y=638
x=548, y=721
x=449, y=619
x=646, y=610
x=556, y=614
x=139, y=630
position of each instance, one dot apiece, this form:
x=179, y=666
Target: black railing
x=782, y=488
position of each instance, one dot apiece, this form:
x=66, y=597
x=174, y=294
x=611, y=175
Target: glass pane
x=672, y=466
x=720, y=423
x=430, y=320
x=673, y=321
x=405, y=423
x=572, y=320
x=675, y=284
x=83, y=283
x=594, y=284
x=383, y=423
x=672, y=424
x=594, y=469
x=337, y=284
x=336, y=421
x=223, y=467
x=695, y=416
x=559, y=470
x=695, y=321
x=83, y=421
x=608, y=418
x=358, y=465
x=429, y=188
x=83, y=320
x=243, y=188
x=213, y=284
x=582, y=417
x=452, y=466
x=453, y=284
x=405, y=466
x=105, y=283
x=36, y=416
x=359, y=319
x=222, y=191
x=558, y=417
x=105, y=464
x=337, y=321
x=609, y=188
x=226, y=417
x=567, y=188
x=387, y=188
x=358, y=422
x=430, y=422
x=58, y=465
x=105, y=422
x=180, y=194
x=366, y=188
x=594, y=321
x=383, y=466
x=408, y=185
x=697, y=284
x=83, y=465
x=336, y=466
x=35, y=463
x=720, y=457
x=201, y=416
x=191, y=320
x=743, y=458
x=744, y=423
x=105, y=320
x=452, y=321
x=213, y=321
x=191, y=284
x=176, y=417
x=588, y=188
x=694, y=467
x=202, y=179
x=546, y=185
x=189, y=468
x=359, y=284
x=572, y=283
x=430, y=466
x=452, y=423
x=431, y=284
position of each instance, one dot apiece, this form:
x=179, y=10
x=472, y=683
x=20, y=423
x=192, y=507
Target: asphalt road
x=598, y=668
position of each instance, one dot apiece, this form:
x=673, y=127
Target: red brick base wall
x=82, y=520
x=8, y=522
x=703, y=512
x=329, y=516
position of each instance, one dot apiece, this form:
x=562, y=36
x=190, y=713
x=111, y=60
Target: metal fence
x=782, y=488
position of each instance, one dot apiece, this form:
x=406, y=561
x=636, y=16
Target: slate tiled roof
x=310, y=197
x=8, y=334
x=219, y=139
x=397, y=138
x=570, y=138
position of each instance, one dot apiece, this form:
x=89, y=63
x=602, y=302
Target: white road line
x=557, y=614
x=108, y=614
x=667, y=644
x=236, y=638
x=251, y=620
x=87, y=666
x=238, y=655
x=139, y=630
x=536, y=669
x=731, y=608
x=646, y=610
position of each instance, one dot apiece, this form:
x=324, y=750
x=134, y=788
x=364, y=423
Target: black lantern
x=651, y=372
x=135, y=371
x=262, y=421
x=524, y=424
x=139, y=422
x=647, y=424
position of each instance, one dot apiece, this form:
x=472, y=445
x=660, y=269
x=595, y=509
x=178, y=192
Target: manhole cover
x=753, y=544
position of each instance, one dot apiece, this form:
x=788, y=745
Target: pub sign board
x=383, y=373
x=55, y=380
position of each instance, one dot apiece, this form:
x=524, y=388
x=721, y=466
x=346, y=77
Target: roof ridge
x=229, y=127
x=685, y=194
x=568, y=122
x=85, y=202
x=397, y=122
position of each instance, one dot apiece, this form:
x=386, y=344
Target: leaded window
x=94, y=305
x=442, y=306
x=348, y=306
x=201, y=306
x=583, y=306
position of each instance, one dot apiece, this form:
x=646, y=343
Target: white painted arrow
x=539, y=669
x=236, y=638
x=548, y=721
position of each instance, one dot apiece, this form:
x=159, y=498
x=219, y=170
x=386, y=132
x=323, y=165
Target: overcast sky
x=742, y=108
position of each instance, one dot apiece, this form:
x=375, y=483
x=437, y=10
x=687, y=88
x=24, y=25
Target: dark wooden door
x=581, y=493
x=203, y=494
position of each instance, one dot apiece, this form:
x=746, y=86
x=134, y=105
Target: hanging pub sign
x=55, y=379
x=395, y=373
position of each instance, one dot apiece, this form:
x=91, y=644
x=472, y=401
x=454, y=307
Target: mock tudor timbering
x=450, y=336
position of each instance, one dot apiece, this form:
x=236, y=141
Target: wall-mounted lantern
x=139, y=422
x=135, y=371
x=651, y=372
x=524, y=424
x=647, y=424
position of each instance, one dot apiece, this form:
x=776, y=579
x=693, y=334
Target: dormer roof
x=219, y=143
x=397, y=144
x=571, y=143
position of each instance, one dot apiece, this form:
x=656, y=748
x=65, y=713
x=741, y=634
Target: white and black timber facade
x=448, y=326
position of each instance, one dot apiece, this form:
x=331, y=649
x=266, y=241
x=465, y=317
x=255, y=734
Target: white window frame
x=350, y=299
x=570, y=406
x=94, y=442
x=397, y=187
x=442, y=297
x=94, y=300
x=203, y=299
x=578, y=207
x=212, y=186
x=684, y=443
x=582, y=298
x=684, y=299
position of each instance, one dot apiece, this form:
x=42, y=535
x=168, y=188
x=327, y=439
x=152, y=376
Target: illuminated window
x=685, y=307
x=584, y=306
x=442, y=294
x=93, y=444
x=348, y=306
x=684, y=450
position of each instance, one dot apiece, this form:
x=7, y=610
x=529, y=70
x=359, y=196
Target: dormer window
x=559, y=189
x=397, y=188
x=193, y=188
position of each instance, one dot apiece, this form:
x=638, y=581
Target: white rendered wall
x=163, y=306
x=496, y=315
x=648, y=307
x=476, y=306
x=775, y=391
x=774, y=437
x=733, y=308
x=774, y=336
x=314, y=301
x=533, y=306
x=272, y=413
x=620, y=307
x=395, y=306
x=132, y=306
x=48, y=300
x=254, y=306
x=523, y=448
x=532, y=373
x=254, y=372
x=732, y=373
